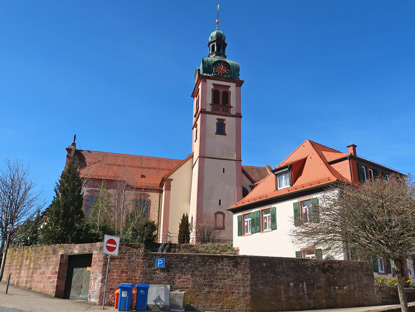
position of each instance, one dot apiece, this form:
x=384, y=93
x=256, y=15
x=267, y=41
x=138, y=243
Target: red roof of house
x=310, y=168
x=138, y=171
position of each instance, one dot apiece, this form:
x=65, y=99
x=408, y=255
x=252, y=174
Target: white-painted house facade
x=289, y=196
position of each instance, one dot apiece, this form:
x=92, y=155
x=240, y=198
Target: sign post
x=111, y=247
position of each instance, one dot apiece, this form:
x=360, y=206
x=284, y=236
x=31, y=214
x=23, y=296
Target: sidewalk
x=23, y=300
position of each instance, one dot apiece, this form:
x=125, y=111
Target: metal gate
x=77, y=277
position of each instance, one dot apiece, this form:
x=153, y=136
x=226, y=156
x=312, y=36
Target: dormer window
x=283, y=179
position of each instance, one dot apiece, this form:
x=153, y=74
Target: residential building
x=289, y=196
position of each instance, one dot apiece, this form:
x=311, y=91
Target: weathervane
x=217, y=20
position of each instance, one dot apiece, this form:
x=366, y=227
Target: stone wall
x=211, y=282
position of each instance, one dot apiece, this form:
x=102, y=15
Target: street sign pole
x=106, y=279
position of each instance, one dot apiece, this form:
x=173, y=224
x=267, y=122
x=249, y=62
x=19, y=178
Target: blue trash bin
x=142, y=294
x=125, y=296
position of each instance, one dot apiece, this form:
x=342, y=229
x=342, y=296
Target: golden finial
x=217, y=19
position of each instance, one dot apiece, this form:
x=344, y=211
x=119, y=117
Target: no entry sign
x=111, y=245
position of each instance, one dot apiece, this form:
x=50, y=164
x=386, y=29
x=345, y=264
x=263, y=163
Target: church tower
x=216, y=167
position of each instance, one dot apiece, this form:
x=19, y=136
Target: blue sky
x=119, y=74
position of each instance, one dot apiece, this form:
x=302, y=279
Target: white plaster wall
x=193, y=196
x=180, y=197
x=276, y=243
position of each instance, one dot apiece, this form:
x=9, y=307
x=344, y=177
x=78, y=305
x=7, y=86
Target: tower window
x=216, y=97
x=219, y=220
x=220, y=202
x=225, y=98
x=221, y=127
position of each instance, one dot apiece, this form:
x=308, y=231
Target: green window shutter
x=319, y=254
x=273, y=218
x=258, y=221
x=255, y=222
x=377, y=172
x=239, y=225
x=298, y=254
x=388, y=266
x=296, y=207
x=375, y=264
x=360, y=171
x=316, y=210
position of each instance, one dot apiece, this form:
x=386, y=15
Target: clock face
x=221, y=69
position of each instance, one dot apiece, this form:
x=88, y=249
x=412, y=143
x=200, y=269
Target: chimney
x=352, y=149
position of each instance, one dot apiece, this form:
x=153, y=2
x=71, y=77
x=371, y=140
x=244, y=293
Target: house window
x=247, y=223
x=266, y=219
x=142, y=205
x=309, y=253
x=381, y=265
x=89, y=202
x=364, y=174
x=306, y=212
x=371, y=174
x=221, y=127
x=195, y=133
x=283, y=180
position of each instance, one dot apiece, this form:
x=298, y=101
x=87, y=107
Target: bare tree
x=376, y=219
x=18, y=198
x=207, y=232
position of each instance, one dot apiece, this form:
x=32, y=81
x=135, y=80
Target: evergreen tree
x=138, y=229
x=184, y=230
x=65, y=222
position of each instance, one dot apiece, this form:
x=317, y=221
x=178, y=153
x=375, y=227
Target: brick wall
x=211, y=282
x=43, y=269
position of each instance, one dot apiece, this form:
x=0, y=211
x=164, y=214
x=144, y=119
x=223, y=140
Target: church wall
x=179, y=197
x=195, y=195
x=123, y=197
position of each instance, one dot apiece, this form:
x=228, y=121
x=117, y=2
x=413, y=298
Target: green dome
x=217, y=35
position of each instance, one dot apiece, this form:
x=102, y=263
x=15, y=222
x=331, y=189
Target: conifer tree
x=184, y=230
x=65, y=217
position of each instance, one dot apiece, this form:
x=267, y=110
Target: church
x=206, y=183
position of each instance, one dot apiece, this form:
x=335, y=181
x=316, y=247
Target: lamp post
x=3, y=260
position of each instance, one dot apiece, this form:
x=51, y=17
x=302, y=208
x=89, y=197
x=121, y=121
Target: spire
x=217, y=20
x=217, y=44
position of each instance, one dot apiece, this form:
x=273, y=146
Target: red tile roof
x=310, y=167
x=137, y=171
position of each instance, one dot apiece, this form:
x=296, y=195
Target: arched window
x=142, y=205
x=225, y=98
x=89, y=202
x=219, y=220
x=213, y=47
x=216, y=97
